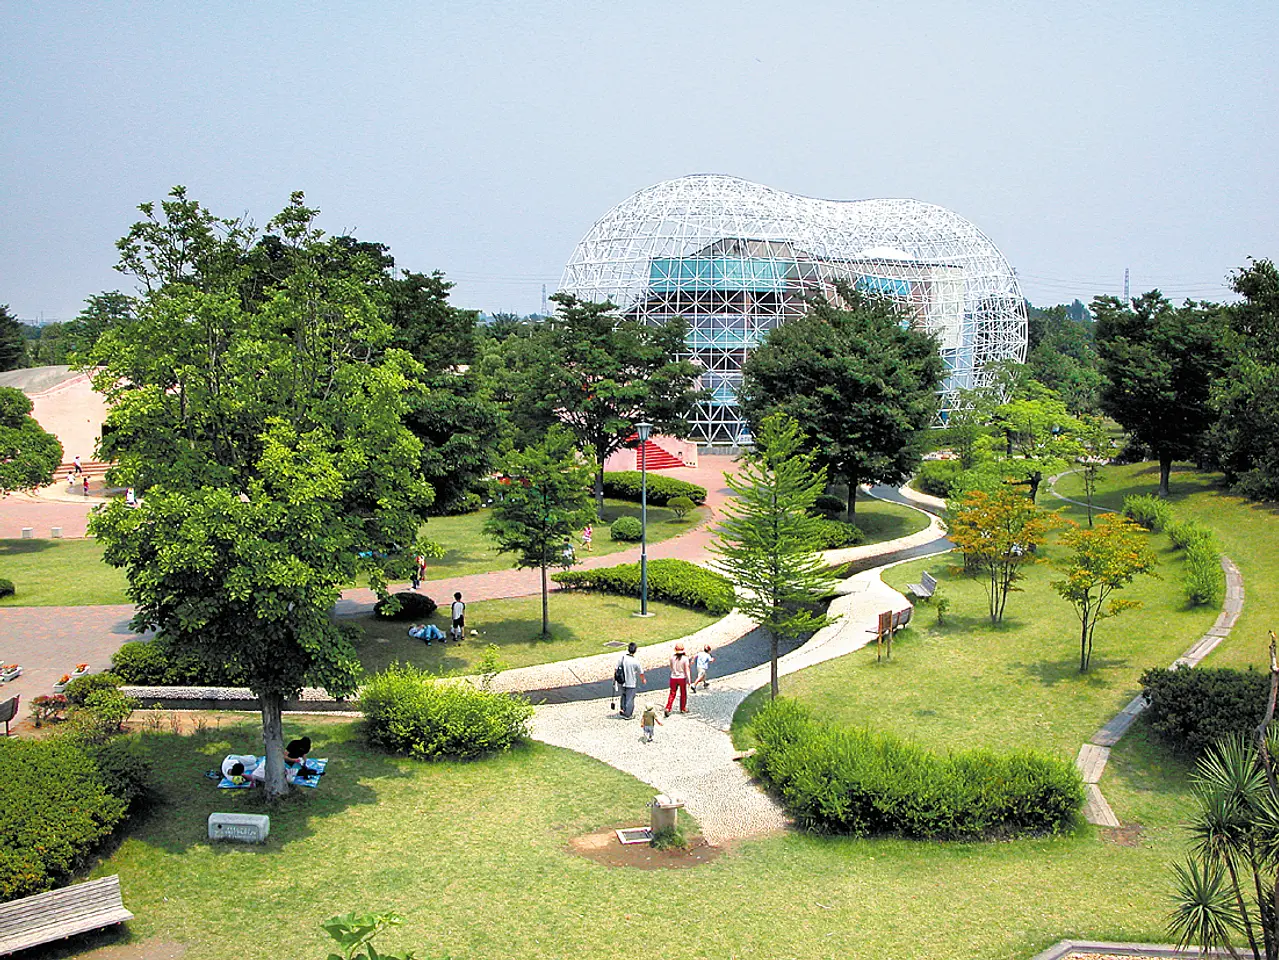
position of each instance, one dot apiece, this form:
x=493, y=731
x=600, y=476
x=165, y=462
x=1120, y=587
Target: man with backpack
x=626, y=678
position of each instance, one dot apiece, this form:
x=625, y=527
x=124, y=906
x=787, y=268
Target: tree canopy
x=29, y=455
x=861, y=380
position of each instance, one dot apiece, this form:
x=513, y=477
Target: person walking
x=701, y=663
x=415, y=575
x=421, y=568
x=77, y=468
x=649, y=722
x=587, y=535
x=632, y=674
x=679, y=680
x=458, y=629
x=86, y=484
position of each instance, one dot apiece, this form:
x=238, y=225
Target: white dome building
x=735, y=258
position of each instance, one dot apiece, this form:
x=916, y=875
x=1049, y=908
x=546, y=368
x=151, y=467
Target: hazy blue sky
x=484, y=139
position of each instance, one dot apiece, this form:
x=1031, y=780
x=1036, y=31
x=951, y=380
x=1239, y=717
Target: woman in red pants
x=679, y=680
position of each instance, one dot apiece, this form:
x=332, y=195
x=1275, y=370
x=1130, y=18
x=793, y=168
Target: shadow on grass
x=179, y=821
x=1050, y=673
x=19, y=548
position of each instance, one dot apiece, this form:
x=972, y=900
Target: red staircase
x=658, y=459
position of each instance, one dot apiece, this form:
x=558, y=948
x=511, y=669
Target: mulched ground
x=604, y=847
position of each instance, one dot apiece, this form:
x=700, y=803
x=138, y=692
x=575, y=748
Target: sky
x=484, y=139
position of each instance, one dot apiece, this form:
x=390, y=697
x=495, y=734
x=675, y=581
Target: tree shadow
x=1050, y=673
x=22, y=548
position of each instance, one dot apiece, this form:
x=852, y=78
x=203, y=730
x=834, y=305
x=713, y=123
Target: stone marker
x=663, y=811
x=243, y=827
x=27, y=533
x=56, y=533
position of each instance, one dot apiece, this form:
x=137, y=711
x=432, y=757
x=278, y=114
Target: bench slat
x=33, y=938
x=56, y=914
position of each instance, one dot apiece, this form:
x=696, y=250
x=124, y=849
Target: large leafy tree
x=862, y=381
x=1062, y=355
x=1244, y=441
x=1160, y=362
x=29, y=456
x=599, y=373
x=1039, y=433
x=1103, y=560
x=765, y=542
x=266, y=425
x=13, y=349
x=541, y=499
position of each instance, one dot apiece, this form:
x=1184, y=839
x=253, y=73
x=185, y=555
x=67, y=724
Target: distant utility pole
x=545, y=313
x=1127, y=296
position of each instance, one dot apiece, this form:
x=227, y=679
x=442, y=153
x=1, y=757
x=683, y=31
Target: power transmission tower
x=1127, y=296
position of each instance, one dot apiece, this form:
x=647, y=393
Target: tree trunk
x=599, y=491
x=1083, y=645
x=773, y=685
x=546, y=620
x=1035, y=480
x=852, y=498
x=1165, y=470
x=273, y=736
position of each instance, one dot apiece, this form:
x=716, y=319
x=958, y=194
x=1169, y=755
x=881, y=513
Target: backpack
x=619, y=675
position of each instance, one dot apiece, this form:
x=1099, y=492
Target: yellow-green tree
x=1103, y=560
x=1000, y=533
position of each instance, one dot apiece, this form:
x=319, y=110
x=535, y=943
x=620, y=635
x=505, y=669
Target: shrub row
x=677, y=581
x=859, y=782
x=834, y=534
x=936, y=476
x=408, y=711
x=1148, y=510
x=1183, y=533
x=1191, y=709
x=1204, y=582
x=153, y=663
x=625, y=485
x=627, y=530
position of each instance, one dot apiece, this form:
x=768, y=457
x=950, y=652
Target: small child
x=649, y=721
x=587, y=535
x=701, y=662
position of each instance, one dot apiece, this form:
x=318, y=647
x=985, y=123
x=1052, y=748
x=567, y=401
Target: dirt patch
x=1129, y=835
x=146, y=950
x=604, y=847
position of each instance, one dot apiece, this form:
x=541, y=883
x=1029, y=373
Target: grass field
x=468, y=550
x=581, y=624
x=882, y=520
x=59, y=573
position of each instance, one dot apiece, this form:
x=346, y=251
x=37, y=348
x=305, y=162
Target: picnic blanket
x=226, y=783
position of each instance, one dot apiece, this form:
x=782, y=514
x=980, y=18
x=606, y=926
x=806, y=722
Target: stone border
x=1091, y=762
x=1065, y=949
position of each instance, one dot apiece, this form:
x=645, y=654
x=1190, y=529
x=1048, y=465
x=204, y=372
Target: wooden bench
x=926, y=587
x=902, y=618
x=51, y=916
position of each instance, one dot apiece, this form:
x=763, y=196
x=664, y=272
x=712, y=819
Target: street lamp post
x=643, y=430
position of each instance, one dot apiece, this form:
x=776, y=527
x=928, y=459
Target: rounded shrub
x=936, y=476
x=1191, y=709
x=1183, y=533
x=408, y=711
x=78, y=690
x=1148, y=511
x=681, y=505
x=101, y=716
x=835, y=534
x=675, y=581
x=832, y=508
x=626, y=529
x=140, y=662
x=153, y=663
x=407, y=606
x=7, y=588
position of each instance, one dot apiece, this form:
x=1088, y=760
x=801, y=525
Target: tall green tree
x=861, y=380
x=268, y=431
x=1061, y=353
x=1103, y=560
x=13, y=348
x=1041, y=436
x=765, y=541
x=1244, y=440
x=1160, y=362
x=101, y=311
x=29, y=456
x=600, y=373
x=541, y=499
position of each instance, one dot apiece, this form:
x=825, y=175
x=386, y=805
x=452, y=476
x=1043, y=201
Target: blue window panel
x=889, y=286
x=693, y=274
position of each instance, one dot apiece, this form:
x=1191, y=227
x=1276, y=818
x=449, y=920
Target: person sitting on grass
x=426, y=631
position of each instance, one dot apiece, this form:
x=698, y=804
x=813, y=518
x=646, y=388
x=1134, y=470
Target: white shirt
x=248, y=759
x=459, y=608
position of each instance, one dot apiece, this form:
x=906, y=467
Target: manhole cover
x=614, y=643
x=635, y=835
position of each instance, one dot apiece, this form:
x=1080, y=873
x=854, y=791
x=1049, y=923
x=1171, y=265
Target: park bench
x=51, y=916
x=925, y=588
x=901, y=618
x=9, y=710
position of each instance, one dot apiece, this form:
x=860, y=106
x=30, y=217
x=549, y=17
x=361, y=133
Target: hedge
x=833, y=534
x=1204, y=582
x=625, y=485
x=1191, y=709
x=676, y=581
x=1148, y=511
x=54, y=810
x=409, y=711
x=862, y=783
x=152, y=663
x=936, y=476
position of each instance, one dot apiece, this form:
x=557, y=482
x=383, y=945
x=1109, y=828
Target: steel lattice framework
x=736, y=258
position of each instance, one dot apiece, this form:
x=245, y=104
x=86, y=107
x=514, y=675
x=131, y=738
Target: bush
x=1183, y=533
x=1203, y=580
x=7, y=588
x=676, y=581
x=411, y=606
x=78, y=690
x=936, y=476
x=48, y=708
x=1191, y=709
x=625, y=485
x=1148, y=511
x=626, y=529
x=153, y=663
x=408, y=711
x=834, y=534
x=125, y=770
x=463, y=503
x=681, y=505
x=860, y=782
x=101, y=716
x=832, y=508
x=54, y=810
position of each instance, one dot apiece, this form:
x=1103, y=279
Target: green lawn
x=469, y=551
x=59, y=573
x=883, y=520
x=581, y=624
x=1248, y=531
x=475, y=857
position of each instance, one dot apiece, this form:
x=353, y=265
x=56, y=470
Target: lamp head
x=642, y=430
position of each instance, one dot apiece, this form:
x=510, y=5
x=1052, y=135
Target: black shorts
x=459, y=622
